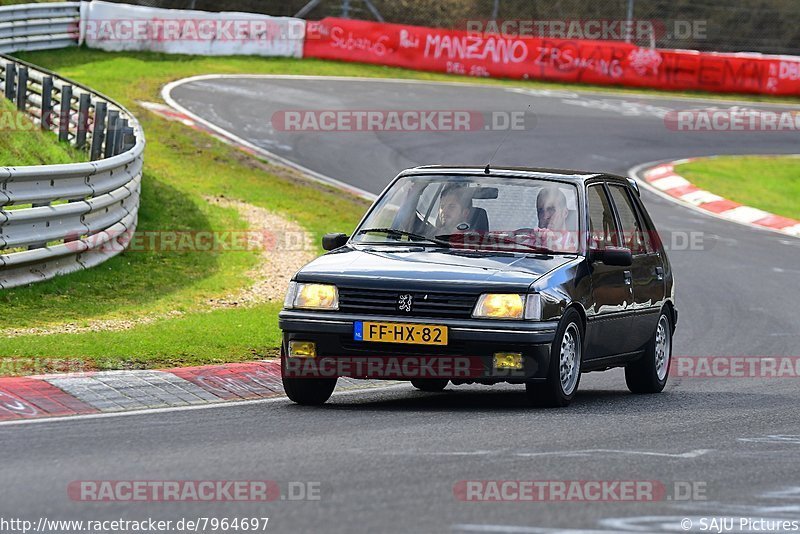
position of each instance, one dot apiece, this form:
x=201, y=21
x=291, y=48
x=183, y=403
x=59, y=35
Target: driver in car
x=455, y=206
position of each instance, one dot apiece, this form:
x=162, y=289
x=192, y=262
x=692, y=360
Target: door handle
x=660, y=273
x=628, y=277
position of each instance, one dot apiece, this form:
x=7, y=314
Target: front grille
x=424, y=304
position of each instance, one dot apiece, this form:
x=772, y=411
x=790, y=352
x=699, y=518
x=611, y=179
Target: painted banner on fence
x=585, y=61
x=120, y=27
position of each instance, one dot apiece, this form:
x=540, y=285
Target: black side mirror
x=618, y=256
x=334, y=241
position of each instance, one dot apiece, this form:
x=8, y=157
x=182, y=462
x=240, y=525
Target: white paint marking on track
x=579, y=453
x=213, y=405
x=166, y=94
x=774, y=438
x=587, y=452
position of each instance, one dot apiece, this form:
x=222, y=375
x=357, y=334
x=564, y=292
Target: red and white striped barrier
x=666, y=180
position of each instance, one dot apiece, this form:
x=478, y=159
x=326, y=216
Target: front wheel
x=431, y=385
x=649, y=374
x=309, y=391
x=564, y=371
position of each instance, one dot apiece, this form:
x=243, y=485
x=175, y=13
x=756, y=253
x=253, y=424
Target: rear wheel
x=649, y=374
x=430, y=385
x=564, y=371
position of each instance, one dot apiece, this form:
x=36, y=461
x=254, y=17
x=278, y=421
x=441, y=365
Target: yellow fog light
x=508, y=360
x=302, y=349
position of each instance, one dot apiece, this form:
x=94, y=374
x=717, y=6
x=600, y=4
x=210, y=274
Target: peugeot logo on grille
x=404, y=302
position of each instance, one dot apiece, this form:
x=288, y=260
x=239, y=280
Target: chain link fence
x=767, y=26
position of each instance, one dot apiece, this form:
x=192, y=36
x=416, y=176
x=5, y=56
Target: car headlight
x=508, y=306
x=311, y=297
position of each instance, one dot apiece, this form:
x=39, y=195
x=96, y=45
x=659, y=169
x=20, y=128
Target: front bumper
x=471, y=345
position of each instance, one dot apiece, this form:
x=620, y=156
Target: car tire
x=564, y=370
x=431, y=385
x=649, y=374
x=309, y=391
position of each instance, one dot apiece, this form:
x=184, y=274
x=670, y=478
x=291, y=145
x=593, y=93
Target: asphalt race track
x=387, y=460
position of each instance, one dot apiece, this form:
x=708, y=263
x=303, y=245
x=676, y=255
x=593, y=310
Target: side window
x=602, y=226
x=632, y=235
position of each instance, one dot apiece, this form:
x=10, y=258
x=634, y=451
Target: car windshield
x=476, y=212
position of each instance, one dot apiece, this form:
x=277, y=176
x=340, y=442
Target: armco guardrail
x=39, y=26
x=56, y=219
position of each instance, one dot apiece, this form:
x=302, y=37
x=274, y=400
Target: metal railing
x=39, y=26
x=56, y=219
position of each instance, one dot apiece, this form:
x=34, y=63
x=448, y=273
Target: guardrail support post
x=22, y=89
x=119, y=140
x=47, y=103
x=66, y=111
x=11, y=73
x=130, y=139
x=111, y=135
x=83, y=120
x=98, y=134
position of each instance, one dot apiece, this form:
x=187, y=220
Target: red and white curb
x=102, y=392
x=663, y=179
x=176, y=112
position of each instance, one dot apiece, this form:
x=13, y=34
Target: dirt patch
x=285, y=247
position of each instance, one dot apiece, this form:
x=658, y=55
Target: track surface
x=387, y=460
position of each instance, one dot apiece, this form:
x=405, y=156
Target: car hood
x=429, y=269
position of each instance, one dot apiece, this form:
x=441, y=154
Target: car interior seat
x=478, y=220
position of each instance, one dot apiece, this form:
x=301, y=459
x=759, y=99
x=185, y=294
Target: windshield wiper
x=504, y=239
x=403, y=233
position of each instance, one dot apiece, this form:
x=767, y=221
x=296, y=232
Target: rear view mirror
x=488, y=193
x=618, y=256
x=334, y=241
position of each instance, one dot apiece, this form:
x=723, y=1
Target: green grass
x=23, y=143
x=182, y=166
x=770, y=183
x=220, y=336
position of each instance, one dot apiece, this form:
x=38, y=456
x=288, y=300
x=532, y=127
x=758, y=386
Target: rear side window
x=602, y=225
x=632, y=235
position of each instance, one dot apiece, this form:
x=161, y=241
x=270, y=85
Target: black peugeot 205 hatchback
x=479, y=275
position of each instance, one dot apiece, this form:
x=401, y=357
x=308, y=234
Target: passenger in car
x=551, y=207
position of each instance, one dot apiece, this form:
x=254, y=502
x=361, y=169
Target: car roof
x=517, y=172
